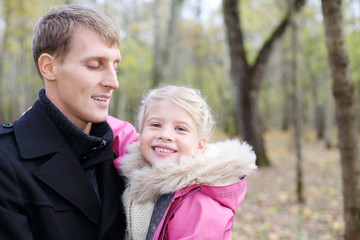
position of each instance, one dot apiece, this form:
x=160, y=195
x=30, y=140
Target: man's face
x=85, y=80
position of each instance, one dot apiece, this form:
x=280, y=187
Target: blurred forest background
x=283, y=103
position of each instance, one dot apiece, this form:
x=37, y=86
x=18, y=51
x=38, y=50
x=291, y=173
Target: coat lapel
x=64, y=174
x=37, y=136
x=109, y=184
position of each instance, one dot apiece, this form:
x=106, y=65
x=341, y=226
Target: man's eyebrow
x=102, y=58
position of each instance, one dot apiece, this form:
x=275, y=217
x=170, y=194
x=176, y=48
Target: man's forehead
x=90, y=44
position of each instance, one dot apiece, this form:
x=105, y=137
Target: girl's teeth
x=163, y=150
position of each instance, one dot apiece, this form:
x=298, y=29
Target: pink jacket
x=202, y=212
x=124, y=134
x=197, y=197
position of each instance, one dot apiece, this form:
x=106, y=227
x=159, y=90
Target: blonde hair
x=54, y=31
x=191, y=100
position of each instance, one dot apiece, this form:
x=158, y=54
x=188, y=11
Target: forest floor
x=270, y=210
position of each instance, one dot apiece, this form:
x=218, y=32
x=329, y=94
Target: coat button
x=8, y=125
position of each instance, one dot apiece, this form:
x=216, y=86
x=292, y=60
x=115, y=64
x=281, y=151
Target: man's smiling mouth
x=103, y=99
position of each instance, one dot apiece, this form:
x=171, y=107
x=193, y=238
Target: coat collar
x=36, y=134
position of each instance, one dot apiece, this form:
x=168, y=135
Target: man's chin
x=99, y=118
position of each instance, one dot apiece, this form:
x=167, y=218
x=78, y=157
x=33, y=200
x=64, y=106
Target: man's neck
x=87, y=128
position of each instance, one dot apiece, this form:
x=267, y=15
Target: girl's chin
x=160, y=160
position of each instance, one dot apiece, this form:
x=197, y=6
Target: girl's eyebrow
x=153, y=118
x=158, y=119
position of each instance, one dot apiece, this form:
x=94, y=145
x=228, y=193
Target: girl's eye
x=155, y=125
x=180, y=129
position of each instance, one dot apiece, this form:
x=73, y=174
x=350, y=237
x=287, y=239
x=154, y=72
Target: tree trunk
x=2, y=60
x=329, y=117
x=198, y=61
x=319, y=106
x=297, y=117
x=343, y=91
x=22, y=80
x=247, y=78
x=285, y=91
x=156, y=70
x=170, y=39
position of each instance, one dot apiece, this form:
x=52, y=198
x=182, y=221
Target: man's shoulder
x=6, y=128
x=7, y=139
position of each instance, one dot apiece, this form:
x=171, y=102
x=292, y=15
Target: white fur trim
x=221, y=163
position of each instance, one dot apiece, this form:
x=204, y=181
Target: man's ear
x=46, y=64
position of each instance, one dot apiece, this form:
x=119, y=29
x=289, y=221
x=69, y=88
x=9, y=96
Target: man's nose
x=110, y=78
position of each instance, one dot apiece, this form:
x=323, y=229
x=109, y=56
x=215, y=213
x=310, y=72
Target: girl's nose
x=166, y=134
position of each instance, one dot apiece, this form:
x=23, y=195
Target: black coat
x=44, y=191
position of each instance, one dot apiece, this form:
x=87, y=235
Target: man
x=57, y=179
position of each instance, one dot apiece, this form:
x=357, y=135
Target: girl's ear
x=46, y=64
x=201, y=145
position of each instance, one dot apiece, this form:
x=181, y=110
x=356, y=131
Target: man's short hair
x=54, y=31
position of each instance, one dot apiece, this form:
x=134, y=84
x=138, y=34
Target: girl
x=178, y=185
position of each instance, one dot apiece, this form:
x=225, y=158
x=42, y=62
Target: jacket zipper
x=168, y=219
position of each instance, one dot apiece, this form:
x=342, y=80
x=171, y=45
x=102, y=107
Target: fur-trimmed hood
x=220, y=164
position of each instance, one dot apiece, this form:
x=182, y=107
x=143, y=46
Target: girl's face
x=168, y=133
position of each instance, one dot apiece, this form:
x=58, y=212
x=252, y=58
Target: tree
x=345, y=110
x=163, y=55
x=297, y=117
x=247, y=77
x=156, y=70
x=7, y=11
